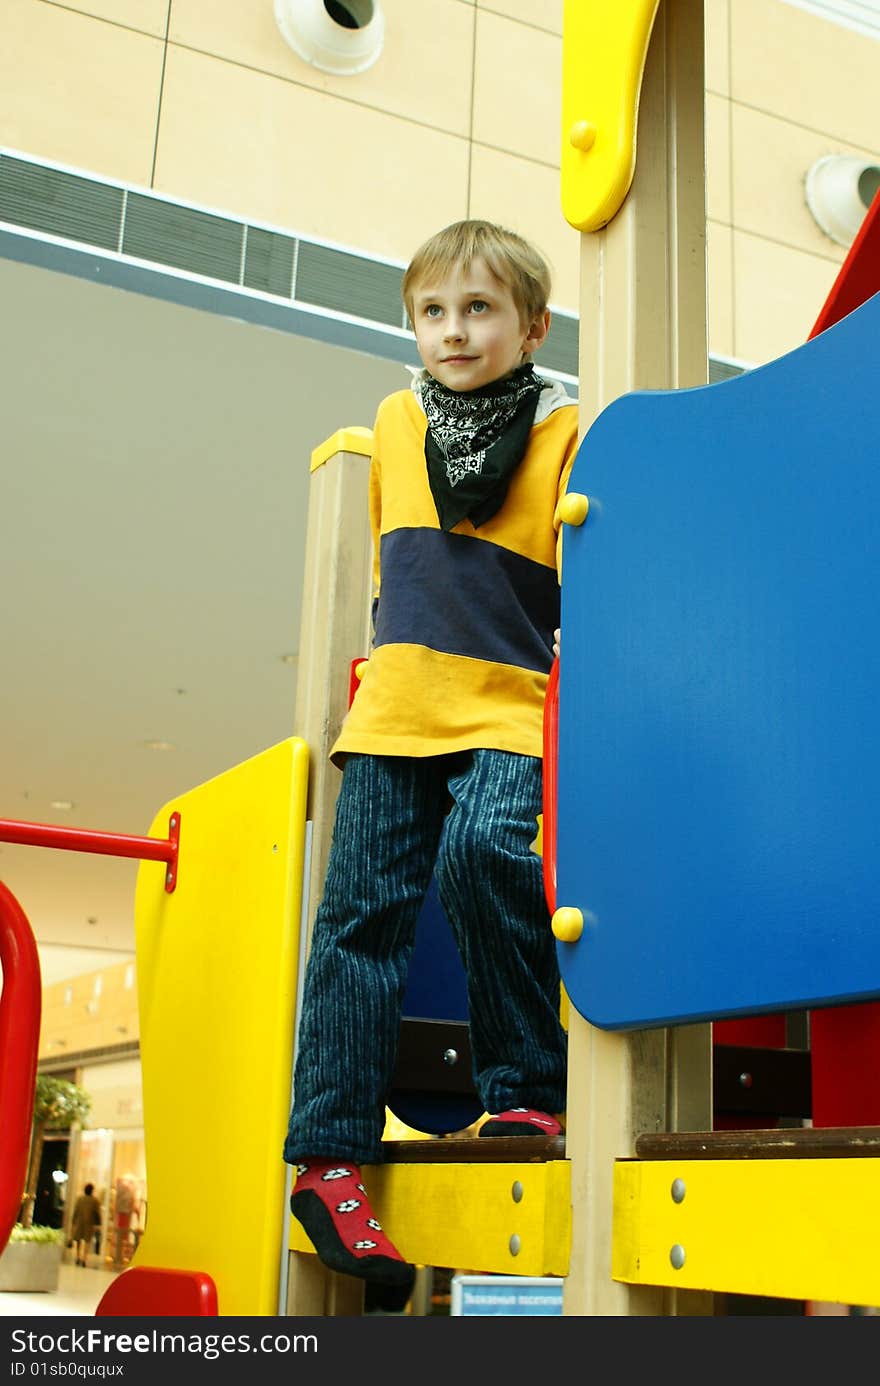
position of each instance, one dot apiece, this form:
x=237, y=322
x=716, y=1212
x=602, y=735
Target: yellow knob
x=359, y=669
x=567, y=924
x=582, y=135
x=573, y=508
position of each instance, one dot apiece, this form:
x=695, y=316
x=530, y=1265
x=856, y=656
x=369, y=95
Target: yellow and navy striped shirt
x=463, y=620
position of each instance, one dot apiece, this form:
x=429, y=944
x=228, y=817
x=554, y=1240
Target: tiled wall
x=784, y=88
x=203, y=100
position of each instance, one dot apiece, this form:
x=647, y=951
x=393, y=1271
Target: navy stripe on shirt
x=465, y=596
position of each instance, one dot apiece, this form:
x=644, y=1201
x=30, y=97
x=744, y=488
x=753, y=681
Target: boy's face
x=468, y=328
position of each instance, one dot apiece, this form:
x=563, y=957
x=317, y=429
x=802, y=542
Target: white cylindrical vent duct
x=839, y=189
x=338, y=36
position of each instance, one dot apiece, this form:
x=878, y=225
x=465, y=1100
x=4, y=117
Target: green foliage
x=45, y=1236
x=58, y=1102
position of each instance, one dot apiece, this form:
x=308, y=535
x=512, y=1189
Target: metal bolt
x=514, y=1244
x=516, y=1191
x=169, y=877
x=745, y=1080
x=450, y=1056
x=678, y=1190
x=676, y=1256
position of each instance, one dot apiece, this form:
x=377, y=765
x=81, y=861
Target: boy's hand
x=556, y=643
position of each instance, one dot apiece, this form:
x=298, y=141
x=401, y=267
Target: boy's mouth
x=451, y=360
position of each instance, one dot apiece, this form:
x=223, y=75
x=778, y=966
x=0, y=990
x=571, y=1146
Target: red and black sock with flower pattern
x=330, y=1201
x=521, y=1121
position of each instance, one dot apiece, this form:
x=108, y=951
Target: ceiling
x=153, y=498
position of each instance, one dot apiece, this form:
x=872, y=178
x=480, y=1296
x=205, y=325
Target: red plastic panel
x=844, y=1045
x=766, y=1030
x=145, y=1291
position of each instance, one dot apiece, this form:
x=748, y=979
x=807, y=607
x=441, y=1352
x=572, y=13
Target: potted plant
x=31, y=1259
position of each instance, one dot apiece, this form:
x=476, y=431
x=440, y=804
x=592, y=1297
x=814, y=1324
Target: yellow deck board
x=790, y=1229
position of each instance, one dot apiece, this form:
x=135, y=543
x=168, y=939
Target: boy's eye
x=479, y=305
x=433, y=310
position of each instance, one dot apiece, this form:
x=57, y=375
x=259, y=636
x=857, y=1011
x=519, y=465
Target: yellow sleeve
x=560, y=492
x=375, y=505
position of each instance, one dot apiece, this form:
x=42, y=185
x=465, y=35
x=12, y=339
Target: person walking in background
x=85, y=1222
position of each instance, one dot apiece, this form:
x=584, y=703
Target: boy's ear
x=537, y=332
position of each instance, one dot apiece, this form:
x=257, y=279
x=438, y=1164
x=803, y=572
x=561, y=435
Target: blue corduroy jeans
x=469, y=818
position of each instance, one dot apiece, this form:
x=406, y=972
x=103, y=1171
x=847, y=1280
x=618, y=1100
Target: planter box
x=26, y=1266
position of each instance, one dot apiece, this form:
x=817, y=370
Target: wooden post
x=335, y=622
x=642, y=326
x=334, y=630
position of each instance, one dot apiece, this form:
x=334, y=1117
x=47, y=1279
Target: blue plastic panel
x=719, y=707
x=436, y=989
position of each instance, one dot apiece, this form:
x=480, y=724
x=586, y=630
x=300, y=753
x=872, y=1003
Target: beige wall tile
x=148, y=16
x=792, y=63
x=778, y=296
x=718, y=157
x=78, y=91
x=525, y=197
x=545, y=16
x=517, y=88
x=362, y=178
x=423, y=73
x=717, y=21
x=770, y=161
x=719, y=288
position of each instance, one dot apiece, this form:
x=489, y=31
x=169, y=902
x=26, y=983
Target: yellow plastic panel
x=216, y=965
x=603, y=58
x=787, y=1229
x=466, y=1215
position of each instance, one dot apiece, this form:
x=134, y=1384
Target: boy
x=441, y=749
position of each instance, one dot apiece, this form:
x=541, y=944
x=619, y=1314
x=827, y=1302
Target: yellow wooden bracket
x=511, y=1219
x=353, y=439
x=782, y=1228
x=603, y=57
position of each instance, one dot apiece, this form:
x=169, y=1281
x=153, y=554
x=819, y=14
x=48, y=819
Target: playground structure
x=643, y=1209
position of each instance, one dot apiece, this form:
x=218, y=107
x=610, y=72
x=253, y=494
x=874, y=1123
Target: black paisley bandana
x=475, y=441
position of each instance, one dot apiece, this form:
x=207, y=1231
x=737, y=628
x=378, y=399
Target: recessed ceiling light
x=61, y=804
x=160, y=746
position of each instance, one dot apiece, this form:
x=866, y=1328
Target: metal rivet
x=514, y=1244
x=745, y=1080
x=676, y=1256
x=450, y=1056
x=169, y=876
x=678, y=1190
x=516, y=1191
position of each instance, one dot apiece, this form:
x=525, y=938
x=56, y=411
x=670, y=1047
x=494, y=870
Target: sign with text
x=485, y=1295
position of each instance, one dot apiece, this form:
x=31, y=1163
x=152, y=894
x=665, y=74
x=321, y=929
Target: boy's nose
x=454, y=329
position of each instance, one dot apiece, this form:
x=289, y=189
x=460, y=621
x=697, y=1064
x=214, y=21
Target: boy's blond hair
x=510, y=258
